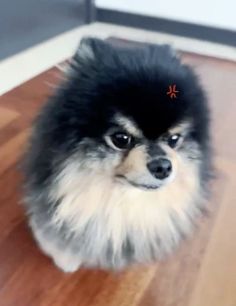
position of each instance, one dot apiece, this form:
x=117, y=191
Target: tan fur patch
x=135, y=162
x=181, y=128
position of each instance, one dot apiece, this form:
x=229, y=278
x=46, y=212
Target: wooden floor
x=201, y=273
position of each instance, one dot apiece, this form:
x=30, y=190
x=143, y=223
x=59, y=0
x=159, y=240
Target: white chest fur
x=119, y=210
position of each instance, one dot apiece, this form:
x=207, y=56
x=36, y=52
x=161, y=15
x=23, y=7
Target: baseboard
x=167, y=26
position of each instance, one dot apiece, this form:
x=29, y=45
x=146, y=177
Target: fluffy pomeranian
x=118, y=163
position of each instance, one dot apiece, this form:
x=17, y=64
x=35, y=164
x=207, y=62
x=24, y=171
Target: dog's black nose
x=160, y=168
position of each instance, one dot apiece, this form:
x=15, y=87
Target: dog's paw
x=67, y=263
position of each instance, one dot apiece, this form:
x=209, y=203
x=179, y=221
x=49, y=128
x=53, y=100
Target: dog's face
x=132, y=131
x=126, y=156
x=144, y=163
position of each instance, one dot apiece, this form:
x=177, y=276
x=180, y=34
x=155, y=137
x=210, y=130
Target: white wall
x=215, y=13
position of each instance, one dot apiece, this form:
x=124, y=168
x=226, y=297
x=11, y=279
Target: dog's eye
x=174, y=140
x=121, y=140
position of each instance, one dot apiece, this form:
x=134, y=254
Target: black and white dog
x=118, y=164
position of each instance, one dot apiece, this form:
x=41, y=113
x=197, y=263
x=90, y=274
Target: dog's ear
x=90, y=49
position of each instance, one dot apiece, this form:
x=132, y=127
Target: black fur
x=133, y=82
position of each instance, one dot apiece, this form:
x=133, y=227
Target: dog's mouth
x=124, y=179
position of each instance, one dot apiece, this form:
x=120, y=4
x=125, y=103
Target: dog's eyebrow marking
x=128, y=125
x=181, y=128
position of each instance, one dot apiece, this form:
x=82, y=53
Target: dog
x=118, y=165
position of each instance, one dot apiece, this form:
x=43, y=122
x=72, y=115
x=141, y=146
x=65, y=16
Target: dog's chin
x=148, y=187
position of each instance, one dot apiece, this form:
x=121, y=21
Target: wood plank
x=216, y=283
x=200, y=273
x=7, y=116
x=12, y=150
